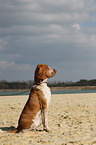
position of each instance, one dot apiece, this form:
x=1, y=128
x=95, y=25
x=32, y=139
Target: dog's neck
x=40, y=82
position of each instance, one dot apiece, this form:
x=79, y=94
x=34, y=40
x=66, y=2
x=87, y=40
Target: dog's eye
x=48, y=69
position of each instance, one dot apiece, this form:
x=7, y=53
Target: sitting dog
x=38, y=101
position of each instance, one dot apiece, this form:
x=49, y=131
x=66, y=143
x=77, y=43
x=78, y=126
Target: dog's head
x=43, y=72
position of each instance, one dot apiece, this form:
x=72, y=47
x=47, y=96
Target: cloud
x=47, y=31
x=12, y=65
x=11, y=71
x=3, y=44
x=76, y=27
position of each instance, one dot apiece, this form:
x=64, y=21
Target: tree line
x=16, y=84
x=81, y=82
x=28, y=84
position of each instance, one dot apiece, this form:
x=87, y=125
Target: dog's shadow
x=7, y=128
x=12, y=128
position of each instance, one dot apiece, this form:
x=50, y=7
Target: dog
x=37, y=104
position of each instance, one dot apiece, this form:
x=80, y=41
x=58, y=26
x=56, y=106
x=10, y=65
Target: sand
x=72, y=119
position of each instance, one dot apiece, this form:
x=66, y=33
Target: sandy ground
x=72, y=119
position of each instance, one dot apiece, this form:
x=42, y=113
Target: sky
x=59, y=33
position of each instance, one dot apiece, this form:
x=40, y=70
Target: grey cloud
x=33, y=32
x=23, y=13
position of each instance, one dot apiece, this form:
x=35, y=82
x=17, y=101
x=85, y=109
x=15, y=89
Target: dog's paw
x=47, y=129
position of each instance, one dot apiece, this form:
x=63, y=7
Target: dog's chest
x=46, y=91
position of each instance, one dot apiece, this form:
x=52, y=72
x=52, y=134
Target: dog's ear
x=39, y=73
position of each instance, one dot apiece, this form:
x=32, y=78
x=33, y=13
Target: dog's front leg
x=45, y=120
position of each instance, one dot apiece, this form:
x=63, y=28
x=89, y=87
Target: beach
x=71, y=117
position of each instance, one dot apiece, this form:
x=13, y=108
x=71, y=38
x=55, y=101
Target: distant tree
x=28, y=84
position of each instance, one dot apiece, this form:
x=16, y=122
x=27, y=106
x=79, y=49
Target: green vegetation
x=28, y=84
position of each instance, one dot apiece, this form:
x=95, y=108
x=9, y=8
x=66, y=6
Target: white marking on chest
x=46, y=91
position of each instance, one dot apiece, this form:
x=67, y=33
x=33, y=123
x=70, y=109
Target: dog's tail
x=14, y=131
x=10, y=131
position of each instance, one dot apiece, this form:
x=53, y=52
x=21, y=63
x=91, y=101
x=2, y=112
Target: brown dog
x=38, y=101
